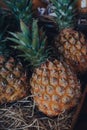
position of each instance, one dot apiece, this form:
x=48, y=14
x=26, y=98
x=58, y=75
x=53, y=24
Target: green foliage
x=31, y=43
x=22, y=9
x=3, y=28
x=4, y=50
x=65, y=11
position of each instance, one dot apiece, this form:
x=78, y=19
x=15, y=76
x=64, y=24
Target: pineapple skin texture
x=55, y=88
x=13, y=85
x=72, y=45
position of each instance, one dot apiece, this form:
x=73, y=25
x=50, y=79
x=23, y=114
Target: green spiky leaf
x=21, y=9
x=24, y=29
x=33, y=49
x=35, y=35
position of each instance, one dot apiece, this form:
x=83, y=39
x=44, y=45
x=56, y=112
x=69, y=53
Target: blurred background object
x=38, y=3
x=2, y=4
x=82, y=15
x=82, y=6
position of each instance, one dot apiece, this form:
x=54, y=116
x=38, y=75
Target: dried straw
x=23, y=115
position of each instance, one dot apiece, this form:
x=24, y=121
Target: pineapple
x=70, y=42
x=54, y=85
x=13, y=85
x=21, y=10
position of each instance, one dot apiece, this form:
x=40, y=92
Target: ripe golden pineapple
x=13, y=85
x=69, y=42
x=54, y=86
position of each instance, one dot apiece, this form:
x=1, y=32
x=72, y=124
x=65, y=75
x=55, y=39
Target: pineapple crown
x=31, y=43
x=21, y=9
x=65, y=11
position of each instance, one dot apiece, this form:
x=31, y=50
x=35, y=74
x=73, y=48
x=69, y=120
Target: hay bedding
x=23, y=115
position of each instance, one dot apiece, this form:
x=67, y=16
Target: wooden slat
x=76, y=115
